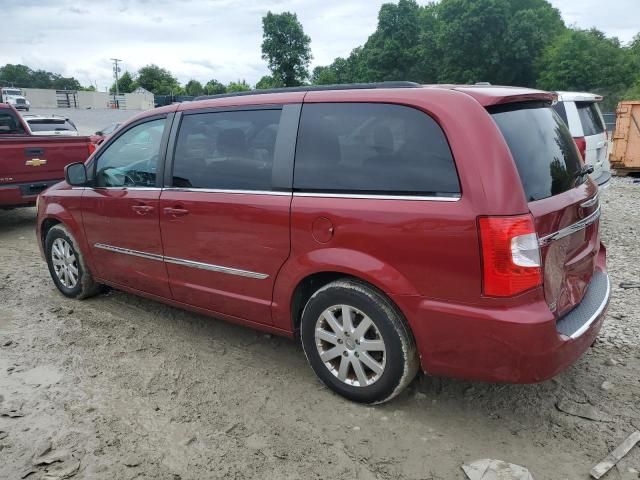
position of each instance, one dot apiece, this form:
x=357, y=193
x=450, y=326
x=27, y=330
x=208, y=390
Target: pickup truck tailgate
x=27, y=160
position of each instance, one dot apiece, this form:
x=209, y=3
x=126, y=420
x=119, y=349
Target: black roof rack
x=314, y=88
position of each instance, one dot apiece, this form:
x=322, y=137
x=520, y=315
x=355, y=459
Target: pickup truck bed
x=29, y=164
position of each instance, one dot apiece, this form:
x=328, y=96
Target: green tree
x=494, y=40
x=193, y=88
x=633, y=92
x=323, y=76
x=16, y=75
x=126, y=84
x=239, y=86
x=429, y=54
x=342, y=70
x=158, y=81
x=267, y=81
x=458, y=41
x=392, y=52
x=586, y=60
x=40, y=79
x=64, y=83
x=25, y=77
x=286, y=48
x=214, y=87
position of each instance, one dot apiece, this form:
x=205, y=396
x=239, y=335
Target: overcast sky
x=206, y=39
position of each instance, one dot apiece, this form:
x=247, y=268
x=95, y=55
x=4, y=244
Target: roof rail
x=314, y=88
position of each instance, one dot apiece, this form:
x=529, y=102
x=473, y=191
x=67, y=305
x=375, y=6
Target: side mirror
x=76, y=174
x=99, y=133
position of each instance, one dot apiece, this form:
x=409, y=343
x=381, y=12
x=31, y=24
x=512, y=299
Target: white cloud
x=617, y=18
x=206, y=39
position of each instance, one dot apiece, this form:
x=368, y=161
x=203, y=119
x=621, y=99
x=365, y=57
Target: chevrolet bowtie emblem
x=35, y=162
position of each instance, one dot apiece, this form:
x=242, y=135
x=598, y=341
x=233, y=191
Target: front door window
x=132, y=159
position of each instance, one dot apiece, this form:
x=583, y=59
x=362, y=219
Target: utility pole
x=116, y=70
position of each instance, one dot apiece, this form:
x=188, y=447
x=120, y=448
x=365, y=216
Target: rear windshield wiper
x=585, y=170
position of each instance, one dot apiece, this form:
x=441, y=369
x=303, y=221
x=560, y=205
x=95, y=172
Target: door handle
x=176, y=211
x=33, y=151
x=142, y=209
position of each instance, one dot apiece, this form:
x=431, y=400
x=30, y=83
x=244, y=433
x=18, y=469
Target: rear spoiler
x=488, y=96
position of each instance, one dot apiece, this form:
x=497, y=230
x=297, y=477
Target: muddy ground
x=117, y=387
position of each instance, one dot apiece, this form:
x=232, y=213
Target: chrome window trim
x=183, y=262
x=220, y=190
x=126, y=188
x=378, y=197
x=566, y=231
x=595, y=315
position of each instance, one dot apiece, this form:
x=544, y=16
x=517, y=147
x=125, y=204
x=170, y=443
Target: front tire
x=357, y=342
x=66, y=264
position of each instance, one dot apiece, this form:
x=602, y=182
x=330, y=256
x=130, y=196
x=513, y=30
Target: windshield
x=12, y=92
x=545, y=154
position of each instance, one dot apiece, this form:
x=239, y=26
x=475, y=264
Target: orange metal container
x=625, y=154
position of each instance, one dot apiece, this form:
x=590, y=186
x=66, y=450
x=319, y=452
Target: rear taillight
x=92, y=148
x=510, y=255
x=581, y=143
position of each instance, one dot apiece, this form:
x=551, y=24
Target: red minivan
x=391, y=226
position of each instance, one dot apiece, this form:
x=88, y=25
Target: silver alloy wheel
x=64, y=262
x=350, y=345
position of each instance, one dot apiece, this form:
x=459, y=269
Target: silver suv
x=581, y=113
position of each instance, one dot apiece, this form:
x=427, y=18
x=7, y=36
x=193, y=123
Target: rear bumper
x=524, y=344
x=22, y=194
x=603, y=179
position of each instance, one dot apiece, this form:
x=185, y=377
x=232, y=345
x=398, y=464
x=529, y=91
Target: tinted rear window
x=542, y=147
x=50, y=126
x=590, y=118
x=366, y=148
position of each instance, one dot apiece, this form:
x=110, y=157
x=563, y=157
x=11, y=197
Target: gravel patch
x=122, y=387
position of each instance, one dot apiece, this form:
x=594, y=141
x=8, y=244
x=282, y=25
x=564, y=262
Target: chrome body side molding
x=183, y=262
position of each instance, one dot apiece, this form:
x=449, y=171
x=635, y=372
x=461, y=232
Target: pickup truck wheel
x=66, y=264
x=357, y=342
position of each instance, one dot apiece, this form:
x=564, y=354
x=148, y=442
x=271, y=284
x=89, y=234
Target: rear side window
x=590, y=119
x=9, y=124
x=226, y=150
x=367, y=148
x=546, y=156
x=561, y=110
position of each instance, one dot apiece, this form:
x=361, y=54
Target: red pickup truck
x=29, y=164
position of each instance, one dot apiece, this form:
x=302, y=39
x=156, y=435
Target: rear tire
x=357, y=342
x=67, y=266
